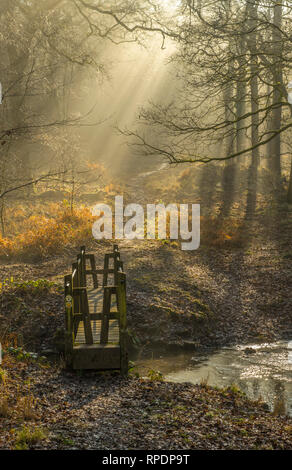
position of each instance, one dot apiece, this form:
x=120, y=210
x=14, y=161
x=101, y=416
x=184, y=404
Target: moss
x=27, y=437
x=63, y=440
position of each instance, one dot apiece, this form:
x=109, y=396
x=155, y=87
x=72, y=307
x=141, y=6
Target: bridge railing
x=77, y=305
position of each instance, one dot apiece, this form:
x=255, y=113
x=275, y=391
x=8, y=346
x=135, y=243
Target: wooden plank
x=113, y=332
x=97, y=347
x=99, y=314
x=76, y=284
x=122, y=305
x=106, y=267
x=81, y=256
x=93, y=271
x=86, y=318
x=117, y=262
x=95, y=316
x=96, y=357
x=95, y=301
x=89, y=272
x=69, y=338
x=105, y=320
x=81, y=291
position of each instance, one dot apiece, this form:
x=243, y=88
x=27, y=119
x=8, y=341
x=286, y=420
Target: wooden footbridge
x=96, y=314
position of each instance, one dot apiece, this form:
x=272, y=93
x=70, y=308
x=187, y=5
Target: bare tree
x=225, y=50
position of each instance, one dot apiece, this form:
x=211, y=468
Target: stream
x=259, y=370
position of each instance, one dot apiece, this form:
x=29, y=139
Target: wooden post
x=86, y=316
x=120, y=266
x=105, y=315
x=76, y=298
x=76, y=284
x=93, y=269
x=116, y=256
x=122, y=306
x=69, y=334
x=83, y=296
x=82, y=266
x=105, y=269
x=77, y=310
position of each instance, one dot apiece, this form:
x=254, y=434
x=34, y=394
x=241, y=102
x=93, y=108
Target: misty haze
x=166, y=324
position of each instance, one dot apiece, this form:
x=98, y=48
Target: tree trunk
x=229, y=171
x=277, y=94
x=289, y=194
x=254, y=94
x=240, y=99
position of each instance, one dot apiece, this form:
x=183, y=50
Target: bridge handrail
x=77, y=306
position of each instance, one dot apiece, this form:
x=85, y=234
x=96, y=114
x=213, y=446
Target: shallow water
x=259, y=370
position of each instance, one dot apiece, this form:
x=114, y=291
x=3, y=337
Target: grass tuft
x=27, y=437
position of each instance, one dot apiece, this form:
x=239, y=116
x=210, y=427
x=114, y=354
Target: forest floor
x=235, y=293
x=207, y=298
x=50, y=408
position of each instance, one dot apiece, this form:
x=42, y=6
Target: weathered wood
x=75, y=283
x=116, y=256
x=81, y=264
x=122, y=306
x=77, y=317
x=93, y=270
x=96, y=357
x=120, y=265
x=95, y=298
x=105, y=313
x=96, y=325
x=97, y=320
x=69, y=334
x=99, y=271
x=76, y=298
x=83, y=296
x=86, y=319
x=106, y=269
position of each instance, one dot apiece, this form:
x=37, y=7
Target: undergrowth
x=40, y=231
x=26, y=437
x=31, y=314
x=47, y=233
